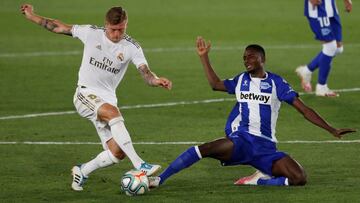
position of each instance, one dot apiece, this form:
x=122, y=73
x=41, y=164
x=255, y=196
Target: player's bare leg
x=220, y=149
x=112, y=116
x=290, y=169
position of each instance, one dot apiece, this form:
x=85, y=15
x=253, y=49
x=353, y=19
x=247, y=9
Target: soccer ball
x=134, y=182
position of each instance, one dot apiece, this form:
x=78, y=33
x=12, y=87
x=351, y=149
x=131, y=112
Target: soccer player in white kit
x=107, y=53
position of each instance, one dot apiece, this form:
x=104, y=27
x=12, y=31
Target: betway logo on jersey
x=104, y=65
x=260, y=98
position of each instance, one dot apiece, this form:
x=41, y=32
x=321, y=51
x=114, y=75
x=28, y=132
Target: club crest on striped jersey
x=264, y=85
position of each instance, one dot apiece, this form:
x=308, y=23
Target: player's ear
x=263, y=59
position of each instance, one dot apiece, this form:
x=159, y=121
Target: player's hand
x=162, y=82
x=203, y=48
x=339, y=133
x=348, y=6
x=27, y=10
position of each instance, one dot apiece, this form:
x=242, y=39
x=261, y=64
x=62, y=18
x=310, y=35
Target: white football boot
x=149, y=169
x=78, y=178
x=305, y=75
x=252, y=180
x=324, y=91
x=154, y=181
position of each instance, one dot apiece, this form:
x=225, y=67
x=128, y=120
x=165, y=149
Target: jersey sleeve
x=231, y=84
x=80, y=31
x=138, y=57
x=284, y=91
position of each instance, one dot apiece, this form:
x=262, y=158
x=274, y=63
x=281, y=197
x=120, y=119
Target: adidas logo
x=98, y=47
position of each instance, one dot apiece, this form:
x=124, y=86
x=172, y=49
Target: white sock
x=122, y=138
x=104, y=159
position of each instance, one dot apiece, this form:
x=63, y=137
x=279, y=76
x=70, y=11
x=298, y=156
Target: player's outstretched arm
x=203, y=49
x=316, y=119
x=151, y=79
x=52, y=25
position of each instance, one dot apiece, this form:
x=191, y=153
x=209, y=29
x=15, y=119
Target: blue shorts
x=253, y=150
x=326, y=29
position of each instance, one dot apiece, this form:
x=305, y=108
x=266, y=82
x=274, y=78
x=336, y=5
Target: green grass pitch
x=38, y=74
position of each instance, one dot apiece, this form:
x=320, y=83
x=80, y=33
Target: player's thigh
x=107, y=111
x=87, y=103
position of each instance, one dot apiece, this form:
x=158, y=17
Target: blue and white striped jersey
x=258, y=103
x=326, y=9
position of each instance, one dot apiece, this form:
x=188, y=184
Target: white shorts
x=87, y=104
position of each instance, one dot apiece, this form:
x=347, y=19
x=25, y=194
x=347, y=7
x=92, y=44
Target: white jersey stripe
x=329, y=8
x=237, y=120
x=254, y=112
x=313, y=12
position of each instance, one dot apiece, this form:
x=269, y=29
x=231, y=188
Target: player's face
x=115, y=32
x=253, y=61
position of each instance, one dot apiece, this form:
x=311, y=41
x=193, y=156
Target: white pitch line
x=176, y=143
x=169, y=49
x=356, y=89
x=122, y=107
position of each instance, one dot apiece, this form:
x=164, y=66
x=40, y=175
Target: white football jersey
x=104, y=62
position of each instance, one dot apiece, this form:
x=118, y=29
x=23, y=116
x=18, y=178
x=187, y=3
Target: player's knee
x=329, y=48
x=106, y=112
x=298, y=179
x=205, y=149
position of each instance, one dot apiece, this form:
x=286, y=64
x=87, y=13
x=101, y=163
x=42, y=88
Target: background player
x=107, y=53
x=250, y=128
x=324, y=20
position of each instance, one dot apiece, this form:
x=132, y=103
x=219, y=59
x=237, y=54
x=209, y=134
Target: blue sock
x=273, y=181
x=324, y=68
x=186, y=159
x=314, y=64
